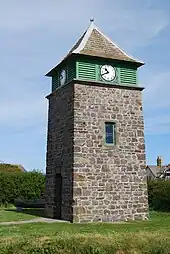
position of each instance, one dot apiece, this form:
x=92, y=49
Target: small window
x=110, y=129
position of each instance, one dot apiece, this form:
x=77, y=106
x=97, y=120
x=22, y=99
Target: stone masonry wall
x=60, y=152
x=109, y=181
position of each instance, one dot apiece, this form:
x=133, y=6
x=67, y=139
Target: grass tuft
x=92, y=244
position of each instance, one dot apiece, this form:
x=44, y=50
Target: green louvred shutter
x=128, y=76
x=54, y=82
x=71, y=73
x=86, y=70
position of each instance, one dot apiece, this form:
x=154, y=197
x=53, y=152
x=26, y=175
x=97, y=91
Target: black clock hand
x=105, y=72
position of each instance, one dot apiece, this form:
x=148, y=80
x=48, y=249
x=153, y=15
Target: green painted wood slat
x=86, y=70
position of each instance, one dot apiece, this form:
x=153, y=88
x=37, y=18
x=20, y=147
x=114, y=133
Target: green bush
x=159, y=195
x=21, y=185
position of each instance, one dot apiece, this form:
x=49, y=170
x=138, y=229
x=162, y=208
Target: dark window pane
x=109, y=139
x=109, y=128
x=110, y=133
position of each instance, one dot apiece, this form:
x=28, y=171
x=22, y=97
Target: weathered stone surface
x=108, y=183
x=60, y=153
x=79, y=210
x=79, y=177
x=77, y=192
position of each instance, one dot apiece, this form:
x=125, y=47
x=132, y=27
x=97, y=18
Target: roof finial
x=92, y=20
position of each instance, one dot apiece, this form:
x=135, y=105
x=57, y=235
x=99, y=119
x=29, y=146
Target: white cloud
x=157, y=125
x=139, y=27
x=39, y=33
x=157, y=92
x=22, y=103
x=157, y=103
x=130, y=22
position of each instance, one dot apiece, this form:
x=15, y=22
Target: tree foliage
x=159, y=194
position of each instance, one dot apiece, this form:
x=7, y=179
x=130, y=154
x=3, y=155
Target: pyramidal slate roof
x=94, y=43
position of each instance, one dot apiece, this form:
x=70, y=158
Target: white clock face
x=108, y=73
x=62, y=77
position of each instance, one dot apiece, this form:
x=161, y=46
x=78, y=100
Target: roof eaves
x=48, y=74
x=118, y=47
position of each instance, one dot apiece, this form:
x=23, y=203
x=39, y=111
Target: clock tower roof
x=94, y=43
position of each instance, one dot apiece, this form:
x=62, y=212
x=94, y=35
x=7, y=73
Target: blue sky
x=34, y=37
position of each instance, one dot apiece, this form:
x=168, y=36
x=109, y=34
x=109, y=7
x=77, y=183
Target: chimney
x=159, y=161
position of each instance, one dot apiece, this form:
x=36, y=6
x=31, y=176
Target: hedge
x=159, y=195
x=31, y=185
x=28, y=185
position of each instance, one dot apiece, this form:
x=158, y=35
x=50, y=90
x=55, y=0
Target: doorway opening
x=58, y=196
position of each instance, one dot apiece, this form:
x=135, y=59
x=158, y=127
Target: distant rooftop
x=156, y=170
x=5, y=167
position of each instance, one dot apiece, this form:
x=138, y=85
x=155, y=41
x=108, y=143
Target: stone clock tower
x=96, y=149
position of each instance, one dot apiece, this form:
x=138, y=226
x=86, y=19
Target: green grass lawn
x=141, y=236
x=10, y=214
x=157, y=222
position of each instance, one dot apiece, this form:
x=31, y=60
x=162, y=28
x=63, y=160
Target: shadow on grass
x=39, y=212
